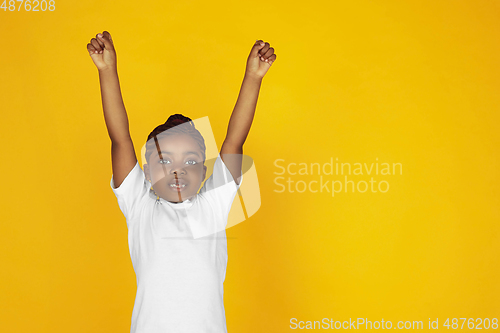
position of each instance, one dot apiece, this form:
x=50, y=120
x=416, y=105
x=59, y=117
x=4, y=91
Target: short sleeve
x=217, y=193
x=131, y=192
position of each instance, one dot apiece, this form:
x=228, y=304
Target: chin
x=175, y=198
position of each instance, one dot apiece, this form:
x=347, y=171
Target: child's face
x=178, y=170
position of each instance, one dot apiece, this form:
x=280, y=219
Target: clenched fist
x=102, y=51
x=260, y=59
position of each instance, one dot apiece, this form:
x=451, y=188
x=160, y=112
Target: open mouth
x=177, y=184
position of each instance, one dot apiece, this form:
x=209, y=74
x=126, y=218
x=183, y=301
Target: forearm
x=244, y=111
x=115, y=115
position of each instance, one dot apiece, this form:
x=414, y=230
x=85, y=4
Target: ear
x=204, y=172
x=146, y=172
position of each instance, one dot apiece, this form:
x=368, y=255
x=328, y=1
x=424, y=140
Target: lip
x=179, y=182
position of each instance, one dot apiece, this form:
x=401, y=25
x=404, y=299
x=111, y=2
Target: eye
x=163, y=161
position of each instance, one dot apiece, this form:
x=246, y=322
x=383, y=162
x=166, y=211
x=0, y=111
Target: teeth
x=175, y=185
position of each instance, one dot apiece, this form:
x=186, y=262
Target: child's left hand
x=260, y=59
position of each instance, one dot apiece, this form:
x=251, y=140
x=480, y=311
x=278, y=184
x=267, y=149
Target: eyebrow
x=186, y=153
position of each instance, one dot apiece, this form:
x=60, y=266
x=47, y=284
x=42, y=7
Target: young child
x=179, y=275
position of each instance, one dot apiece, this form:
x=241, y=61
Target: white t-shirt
x=179, y=253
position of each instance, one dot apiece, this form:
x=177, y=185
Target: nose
x=177, y=169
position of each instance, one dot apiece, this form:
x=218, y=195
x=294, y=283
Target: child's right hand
x=102, y=51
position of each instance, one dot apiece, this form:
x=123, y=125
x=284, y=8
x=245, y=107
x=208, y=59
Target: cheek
x=158, y=173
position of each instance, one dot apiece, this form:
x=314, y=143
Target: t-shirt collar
x=180, y=204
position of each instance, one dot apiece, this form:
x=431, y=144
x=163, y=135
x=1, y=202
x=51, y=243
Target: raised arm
x=258, y=63
x=123, y=158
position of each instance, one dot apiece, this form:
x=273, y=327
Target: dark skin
x=258, y=63
x=102, y=51
x=179, y=161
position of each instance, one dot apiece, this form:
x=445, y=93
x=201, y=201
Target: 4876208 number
x=28, y=5
x=478, y=323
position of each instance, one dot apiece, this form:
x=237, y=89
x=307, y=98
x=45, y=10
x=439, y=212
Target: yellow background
x=410, y=82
